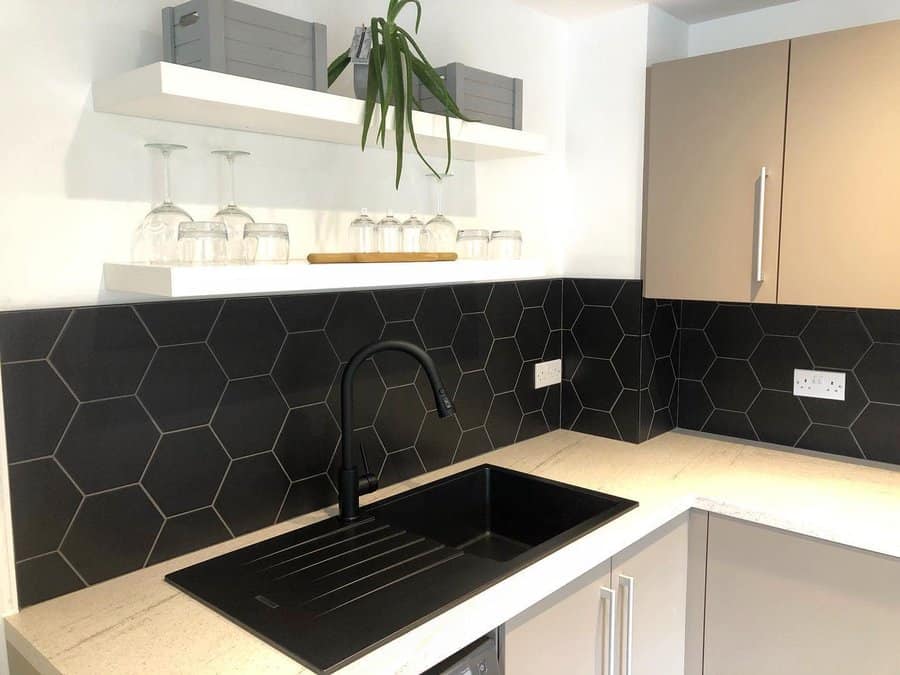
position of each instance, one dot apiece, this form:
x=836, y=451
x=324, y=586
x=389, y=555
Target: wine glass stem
x=233, y=201
x=167, y=194
x=440, y=197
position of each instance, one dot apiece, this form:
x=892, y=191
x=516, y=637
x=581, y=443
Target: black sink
x=328, y=593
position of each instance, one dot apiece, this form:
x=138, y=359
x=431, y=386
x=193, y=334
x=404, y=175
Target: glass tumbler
x=266, y=243
x=415, y=236
x=363, y=237
x=202, y=243
x=390, y=235
x=472, y=244
x=506, y=245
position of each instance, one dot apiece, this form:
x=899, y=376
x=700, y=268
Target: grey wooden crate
x=480, y=95
x=235, y=38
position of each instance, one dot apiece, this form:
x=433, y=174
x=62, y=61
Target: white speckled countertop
x=139, y=624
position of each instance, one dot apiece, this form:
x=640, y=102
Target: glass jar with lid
x=390, y=234
x=362, y=234
x=506, y=245
x=472, y=244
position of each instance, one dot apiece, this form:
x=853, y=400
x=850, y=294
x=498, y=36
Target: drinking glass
x=154, y=242
x=266, y=243
x=363, y=237
x=202, y=243
x=414, y=235
x=441, y=235
x=232, y=216
x=390, y=237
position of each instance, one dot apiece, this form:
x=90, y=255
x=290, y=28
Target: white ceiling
x=691, y=11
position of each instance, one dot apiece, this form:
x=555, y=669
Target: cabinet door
x=651, y=579
x=840, y=240
x=567, y=632
x=783, y=603
x=714, y=122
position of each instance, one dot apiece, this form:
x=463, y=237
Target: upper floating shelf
x=166, y=91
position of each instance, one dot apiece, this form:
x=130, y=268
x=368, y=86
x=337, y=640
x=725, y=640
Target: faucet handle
x=368, y=482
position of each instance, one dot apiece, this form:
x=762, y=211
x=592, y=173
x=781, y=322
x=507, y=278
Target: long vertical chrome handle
x=607, y=660
x=626, y=588
x=761, y=225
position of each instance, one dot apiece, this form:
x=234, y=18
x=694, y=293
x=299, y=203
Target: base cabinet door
x=568, y=632
x=782, y=603
x=651, y=583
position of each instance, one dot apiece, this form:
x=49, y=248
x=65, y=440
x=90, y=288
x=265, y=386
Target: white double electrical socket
x=820, y=384
x=547, y=374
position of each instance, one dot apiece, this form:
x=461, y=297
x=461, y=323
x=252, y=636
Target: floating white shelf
x=166, y=91
x=301, y=277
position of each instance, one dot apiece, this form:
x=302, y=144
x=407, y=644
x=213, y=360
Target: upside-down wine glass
x=157, y=234
x=233, y=217
x=440, y=232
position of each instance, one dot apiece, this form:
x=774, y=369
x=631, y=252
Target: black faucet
x=352, y=485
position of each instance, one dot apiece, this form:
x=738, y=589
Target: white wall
x=608, y=57
x=804, y=17
x=76, y=183
x=604, y=144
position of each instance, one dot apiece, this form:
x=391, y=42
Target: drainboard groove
x=402, y=572
x=364, y=527
x=339, y=548
x=363, y=561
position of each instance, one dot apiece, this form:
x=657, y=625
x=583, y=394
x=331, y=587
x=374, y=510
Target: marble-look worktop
x=139, y=624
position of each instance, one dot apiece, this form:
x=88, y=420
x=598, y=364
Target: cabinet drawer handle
x=607, y=659
x=761, y=225
x=626, y=590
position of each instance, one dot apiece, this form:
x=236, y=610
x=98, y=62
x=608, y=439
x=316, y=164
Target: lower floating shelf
x=300, y=277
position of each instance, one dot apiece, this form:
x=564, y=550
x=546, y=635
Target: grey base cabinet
x=570, y=631
x=782, y=603
x=626, y=617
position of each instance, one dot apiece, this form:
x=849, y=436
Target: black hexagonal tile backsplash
x=140, y=433
x=736, y=376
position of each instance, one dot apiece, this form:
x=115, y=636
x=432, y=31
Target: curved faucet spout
x=351, y=483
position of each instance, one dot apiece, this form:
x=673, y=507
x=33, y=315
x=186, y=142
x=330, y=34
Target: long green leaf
x=400, y=103
x=403, y=3
x=392, y=11
x=390, y=74
x=409, y=114
x=338, y=66
x=433, y=82
x=373, y=86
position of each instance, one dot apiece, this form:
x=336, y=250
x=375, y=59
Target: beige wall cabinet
x=625, y=617
x=840, y=240
x=824, y=111
x=714, y=123
x=782, y=603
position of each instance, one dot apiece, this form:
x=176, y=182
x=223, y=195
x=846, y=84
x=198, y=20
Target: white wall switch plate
x=820, y=384
x=547, y=374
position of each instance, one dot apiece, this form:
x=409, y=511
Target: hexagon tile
x=619, y=353
x=736, y=376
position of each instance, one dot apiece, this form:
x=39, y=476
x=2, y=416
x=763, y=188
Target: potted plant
x=395, y=62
